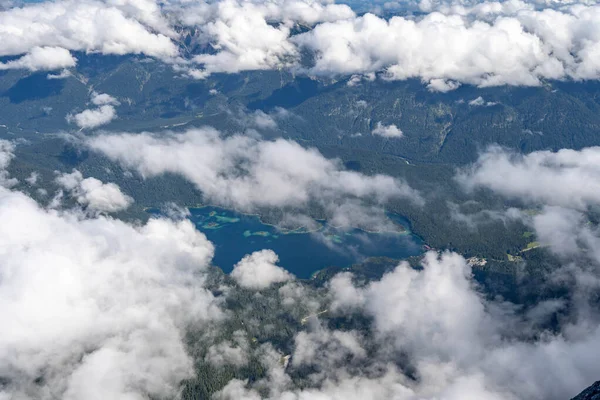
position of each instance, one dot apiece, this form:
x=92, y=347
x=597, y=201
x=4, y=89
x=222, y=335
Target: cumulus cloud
x=326, y=347
x=476, y=220
x=433, y=336
x=93, y=118
x=65, y=73
x=480, y=102
x=246, y=173
x=233, y=352
x=453, y=43
x=346, y=294
x=488, y=44
x=263, y=120
x=569, y=178
x=6, y=155
x=484, y=44
x=111, y=27
x=562, y=187
x=444, y=50
x=286, y=11
x=442, y=85
x=102, y=99
x=42, y=58
x=259, y=270
x=246, y=42
x=93, y=193
x=251, y=35
x=387, y=131
x=33, y=178
x=89, y=119
x=96, y=307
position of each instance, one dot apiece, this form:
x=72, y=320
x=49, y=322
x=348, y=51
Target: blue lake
x=300, y=252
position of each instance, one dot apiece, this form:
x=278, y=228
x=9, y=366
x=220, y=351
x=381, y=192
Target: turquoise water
x=302, y=253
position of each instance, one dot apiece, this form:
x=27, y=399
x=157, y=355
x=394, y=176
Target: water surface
x=300, y=252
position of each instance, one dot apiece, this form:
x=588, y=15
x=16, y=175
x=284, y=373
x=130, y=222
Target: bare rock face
x=591, y=393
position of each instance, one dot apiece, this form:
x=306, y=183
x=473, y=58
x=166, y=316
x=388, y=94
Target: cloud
x=432, y=336
x=357, y=79
x=248, y=174
x=33, y=178
x=6, y=155
x=562, y=187
x=452, y=43
x=251, y=35
x=480, y=102
x=85, y=304
x=89, y=119
x=259, y=270
x=263, y=120
x=324, y=346
x=234, y=352
x=442, y=85
x=345, y=294
x=102, y=99
x=95, y=195
x=444, y=50
x=246, y=42
x=42, y=58
x=476, y=220
x=112, y=27
x=96, y=307
x=387, y=131
x=93, y=118
x=284, y=11
x=65, y=73
x=569, y=178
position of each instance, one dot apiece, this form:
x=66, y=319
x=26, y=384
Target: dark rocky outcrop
x=591, y=393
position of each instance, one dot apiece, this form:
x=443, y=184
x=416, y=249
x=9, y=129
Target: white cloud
x=562, y=186
x=454, y=43
x=234, y=352
x=484, y=44
x=93, y=118
x=287, y=11
x=245, y=41
x=95, y=307
x=326, y=348
x=569, y=178
x=95, y=195
x=263, y=121
x=33, y=178
x=480, y=102
x=65, y=73
x=246, y=34
x=6, y=156
x=454, y=344
x=259, y=270
x=42, y=58
x=442, y=85
x=387, y=131
x=357, y=79
x=102, y=99
x=442, y=289
x=345, y=294
x=111, y=27
x=247, y=174
x=444, y=50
